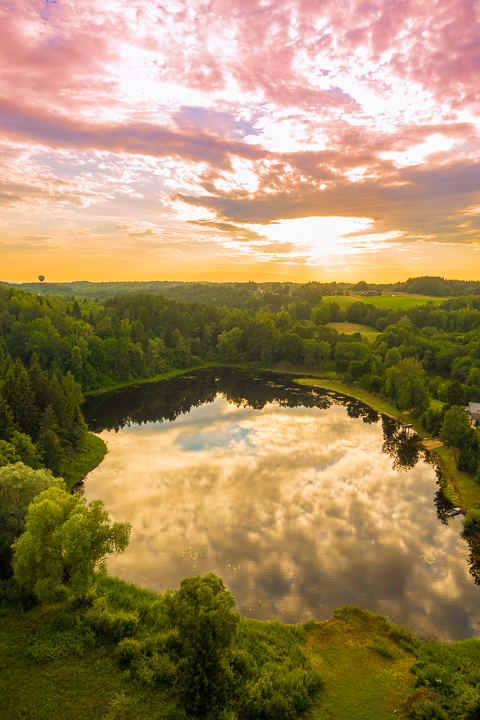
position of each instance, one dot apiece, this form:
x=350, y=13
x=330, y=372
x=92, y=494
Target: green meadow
x=393, y=301
x=352, y=328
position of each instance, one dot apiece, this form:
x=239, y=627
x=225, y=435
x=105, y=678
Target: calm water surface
x=300, y=500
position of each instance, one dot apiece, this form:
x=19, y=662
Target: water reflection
x=285, y=493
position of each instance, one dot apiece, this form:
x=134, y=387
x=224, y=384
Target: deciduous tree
x=66, y=541
x=19, y=485
x=202, y=611
x=455, y=428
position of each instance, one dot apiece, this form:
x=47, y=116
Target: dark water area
x=301, y=499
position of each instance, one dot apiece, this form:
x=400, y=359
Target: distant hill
x=231, y=294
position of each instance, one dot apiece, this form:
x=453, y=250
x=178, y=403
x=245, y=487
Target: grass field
x=351, y=328
x=366, y=673
x=405, y=302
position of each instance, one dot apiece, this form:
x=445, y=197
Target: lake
x=301, y=499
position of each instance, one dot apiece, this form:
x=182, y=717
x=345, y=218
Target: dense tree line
x=52, y=349
x=236, y=294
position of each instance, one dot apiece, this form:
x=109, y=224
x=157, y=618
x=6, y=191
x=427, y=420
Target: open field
x=361, y=683
x=351, y=328
x=400, y=300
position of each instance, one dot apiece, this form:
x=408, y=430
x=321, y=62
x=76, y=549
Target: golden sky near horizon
x=239, y=139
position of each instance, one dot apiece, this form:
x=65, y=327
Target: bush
x=112, y=626
x=281, y=681
x=376, y=384
x=432, y=421
x=403, y=636
x=471, y=523
x=448, y=676
x=127, y=651
x=383, y=648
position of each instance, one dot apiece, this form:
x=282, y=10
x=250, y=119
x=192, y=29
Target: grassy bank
x=466, y=490
x=463, y=488
x=54, y=667
x=92, y=453
x=153, y=378
x=366, y=671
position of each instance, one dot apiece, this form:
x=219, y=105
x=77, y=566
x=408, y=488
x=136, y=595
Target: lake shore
x=85, y=460
x=458, y=486
x=363, y=659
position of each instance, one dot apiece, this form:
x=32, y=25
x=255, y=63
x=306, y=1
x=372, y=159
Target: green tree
x=76, y=311
x=20, y=398
x=392, y=357
x=227, y=345
x=26, y=450
x=397, y=374
x=66, y=541
x=413, y=396
x=7, y=424
x=19, y=485
x=455, y=428
x=51, y=448
x=453, y=393
x=8, y=453
x=75, y=362
x=202, y=612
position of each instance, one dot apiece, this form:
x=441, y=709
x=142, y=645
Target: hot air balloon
x=41, y=278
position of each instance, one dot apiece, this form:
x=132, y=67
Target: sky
x=231, y=140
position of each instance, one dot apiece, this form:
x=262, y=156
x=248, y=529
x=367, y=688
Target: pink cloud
x=255, y=111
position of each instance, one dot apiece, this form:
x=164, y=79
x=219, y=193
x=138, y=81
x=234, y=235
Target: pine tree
x=19, y=396
x=40, y=384
x=77, y=313
x=7, y=425
x=49, y=442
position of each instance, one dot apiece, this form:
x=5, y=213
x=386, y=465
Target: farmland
x=393, y=301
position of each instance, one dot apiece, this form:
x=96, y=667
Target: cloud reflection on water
x=296, y=508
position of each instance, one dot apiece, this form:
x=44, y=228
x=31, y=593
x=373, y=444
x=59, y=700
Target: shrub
x=127, y=651
x=448, y=676
x=383, y=648
x=403, y=636
x=471, y=523
x=113, y=626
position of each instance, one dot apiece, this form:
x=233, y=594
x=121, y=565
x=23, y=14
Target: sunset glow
x=239, y=139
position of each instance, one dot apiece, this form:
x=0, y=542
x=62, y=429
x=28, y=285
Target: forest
x=236, y=294
x=53, y=349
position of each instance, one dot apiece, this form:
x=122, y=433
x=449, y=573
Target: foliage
x=471, y=523
x=450, y=673
x=66, y=540
x=53, y=348
x=202, y=613
x=19, y=485
x=455, y=427
x=413, y=396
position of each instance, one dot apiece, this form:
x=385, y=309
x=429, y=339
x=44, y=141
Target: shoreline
x=87, y=459
x=458, y=487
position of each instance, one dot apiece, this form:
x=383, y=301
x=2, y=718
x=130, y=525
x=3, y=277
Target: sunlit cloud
x=276, y=119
